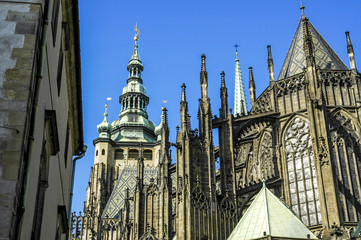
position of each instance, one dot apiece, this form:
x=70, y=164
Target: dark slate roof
x=295, y=60
x=127, y=179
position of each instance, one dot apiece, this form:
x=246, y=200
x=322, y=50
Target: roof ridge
x=295, y=61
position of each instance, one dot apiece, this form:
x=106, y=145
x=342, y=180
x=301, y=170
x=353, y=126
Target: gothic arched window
x=345, y=159
x=301, y=172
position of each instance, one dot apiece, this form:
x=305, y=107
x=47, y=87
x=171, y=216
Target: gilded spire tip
x=136, y=29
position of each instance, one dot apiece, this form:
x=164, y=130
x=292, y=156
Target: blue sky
x=174, y=34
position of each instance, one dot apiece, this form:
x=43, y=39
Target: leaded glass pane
x=318, y=207
x=310, y=196
x=293, y=188
x=295, y=209
x=313, y=220
x=300, y=186
x=314, y=173
x=304, y=220
x=290, y=166
x=303, y=209
x=309, y=185
x=299, y=174
x=302, y=196
x=307, y=173
x=298, y=163
x=306, y=161
x=294, y=199
x=311, y=207
x=291, y=177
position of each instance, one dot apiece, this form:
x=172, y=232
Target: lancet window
x=301, y=172
x=345, y=158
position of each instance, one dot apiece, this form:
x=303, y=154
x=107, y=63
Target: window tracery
x=345, y=158
x=302, y=172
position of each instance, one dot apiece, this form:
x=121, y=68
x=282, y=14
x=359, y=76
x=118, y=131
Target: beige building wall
x=40, y=116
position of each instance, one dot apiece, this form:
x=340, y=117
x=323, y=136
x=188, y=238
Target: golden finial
x=136, y=29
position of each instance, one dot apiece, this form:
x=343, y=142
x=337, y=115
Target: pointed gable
x=269, y=214
x=295, y=60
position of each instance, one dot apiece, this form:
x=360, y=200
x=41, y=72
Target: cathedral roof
x=269, y=214
x=126, y=180
x=295, y=60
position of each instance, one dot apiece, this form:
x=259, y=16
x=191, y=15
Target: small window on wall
x=54, y=18
x=60, y=69
x=96, y=153
x=133, y=154
x=119, y=154
x=103, y=152
x=148, y=154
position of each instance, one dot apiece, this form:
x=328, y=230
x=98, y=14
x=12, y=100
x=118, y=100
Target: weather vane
x=136, y=29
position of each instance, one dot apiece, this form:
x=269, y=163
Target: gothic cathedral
x=288, y=168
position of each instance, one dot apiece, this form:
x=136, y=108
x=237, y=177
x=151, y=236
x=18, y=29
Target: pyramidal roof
x=269, y=214
x=295, y=60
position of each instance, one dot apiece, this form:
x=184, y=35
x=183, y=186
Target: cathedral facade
x=301, y=139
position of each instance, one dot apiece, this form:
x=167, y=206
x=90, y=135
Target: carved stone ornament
x=266, y=156
x=241, y=152
x=262, y=104
x=322, y=152
x=180, y=189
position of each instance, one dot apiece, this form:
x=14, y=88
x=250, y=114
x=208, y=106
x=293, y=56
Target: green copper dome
x=104, y=128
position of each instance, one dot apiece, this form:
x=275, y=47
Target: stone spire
x=185, y=126
x=204, y=79
x=350, y=52
x=308, y=45
x=224, y=97
x=240, y=105
x=270, y=66
x=252, y=87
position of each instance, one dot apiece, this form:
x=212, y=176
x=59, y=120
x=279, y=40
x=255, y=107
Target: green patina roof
x=135, y=59
x=269, y=214
x=295, y=60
